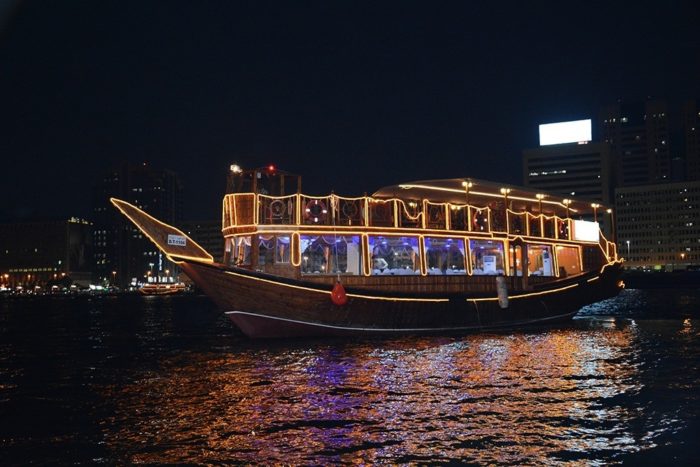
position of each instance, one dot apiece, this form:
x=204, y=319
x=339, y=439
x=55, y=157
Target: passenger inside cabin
x=445, y=256
x=394, y=255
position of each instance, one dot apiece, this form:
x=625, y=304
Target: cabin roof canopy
x=481, y=193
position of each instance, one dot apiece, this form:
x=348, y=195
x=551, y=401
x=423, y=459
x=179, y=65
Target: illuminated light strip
x=224, y=211
x=544, y=292
x=400, y=330
x=532, y=294
x=467, y=256
x=556, y=261
x=481, y=193
x=188, y=258
x=275, y=198
x=352, y=230
x=395, y=208
x=328, y=292
x=344, y=198
x=116, y=202
x=366, y=266
x=611, y=263
x=593, y=279
x=366, y=210
x=256, y=211
x=295, y=257
x=405, y=210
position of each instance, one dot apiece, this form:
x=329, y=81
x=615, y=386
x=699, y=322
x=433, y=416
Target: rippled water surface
x=169, y=380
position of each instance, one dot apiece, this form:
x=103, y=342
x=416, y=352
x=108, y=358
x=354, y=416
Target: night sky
x=352, y=95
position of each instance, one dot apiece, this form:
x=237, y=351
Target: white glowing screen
x=586, y=231
x=565, y=132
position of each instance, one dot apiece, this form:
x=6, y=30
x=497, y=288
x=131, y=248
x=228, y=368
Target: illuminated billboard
x=586, y=231
x=565, y=132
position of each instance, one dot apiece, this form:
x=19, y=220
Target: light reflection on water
x=170, y=381
x=511, y=398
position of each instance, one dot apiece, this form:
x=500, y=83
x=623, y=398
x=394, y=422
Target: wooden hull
x=266, y=306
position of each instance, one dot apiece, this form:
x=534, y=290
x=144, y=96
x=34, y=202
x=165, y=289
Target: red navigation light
x=271, y=168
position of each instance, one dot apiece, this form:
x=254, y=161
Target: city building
x=45, y=252
x=572, y=166
x=208, y=235
x=691, y=132
x=639, y=138
x=658, y=226
x=580, y=170
x=123, y=256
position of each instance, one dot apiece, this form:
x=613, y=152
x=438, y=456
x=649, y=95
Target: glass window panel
x=486, y=257
x=242, y=256
x=445, y=255
x=266, y=249
x=394, y=255
x=568, y=260
x=539, y=260
x=331, y=254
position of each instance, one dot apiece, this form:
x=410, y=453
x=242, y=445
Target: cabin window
x=266, y=249
x=242, y=252
x=539, y=260
x=568, y=260
x=330, y=254
x=394, y=255
x=445, y=255
x=486, y=257
x=282, y=248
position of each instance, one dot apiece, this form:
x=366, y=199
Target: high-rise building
x=639, y=138
x=122, y=254
x=691, y=131
x=658, y=226
x=580, y=170
x=573, y=167
x=41, y=252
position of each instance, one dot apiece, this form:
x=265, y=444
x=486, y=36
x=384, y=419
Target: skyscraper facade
x=571, y=170
x=658, y=226
x=639, y=138
x=691, y=132
x=122, y=254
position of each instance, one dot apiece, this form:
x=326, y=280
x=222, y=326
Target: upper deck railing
x=254, y=210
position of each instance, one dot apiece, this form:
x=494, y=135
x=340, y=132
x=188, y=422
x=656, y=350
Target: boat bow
x=174, y=243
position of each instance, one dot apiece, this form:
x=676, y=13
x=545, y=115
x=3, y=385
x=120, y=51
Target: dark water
x=169, y=380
